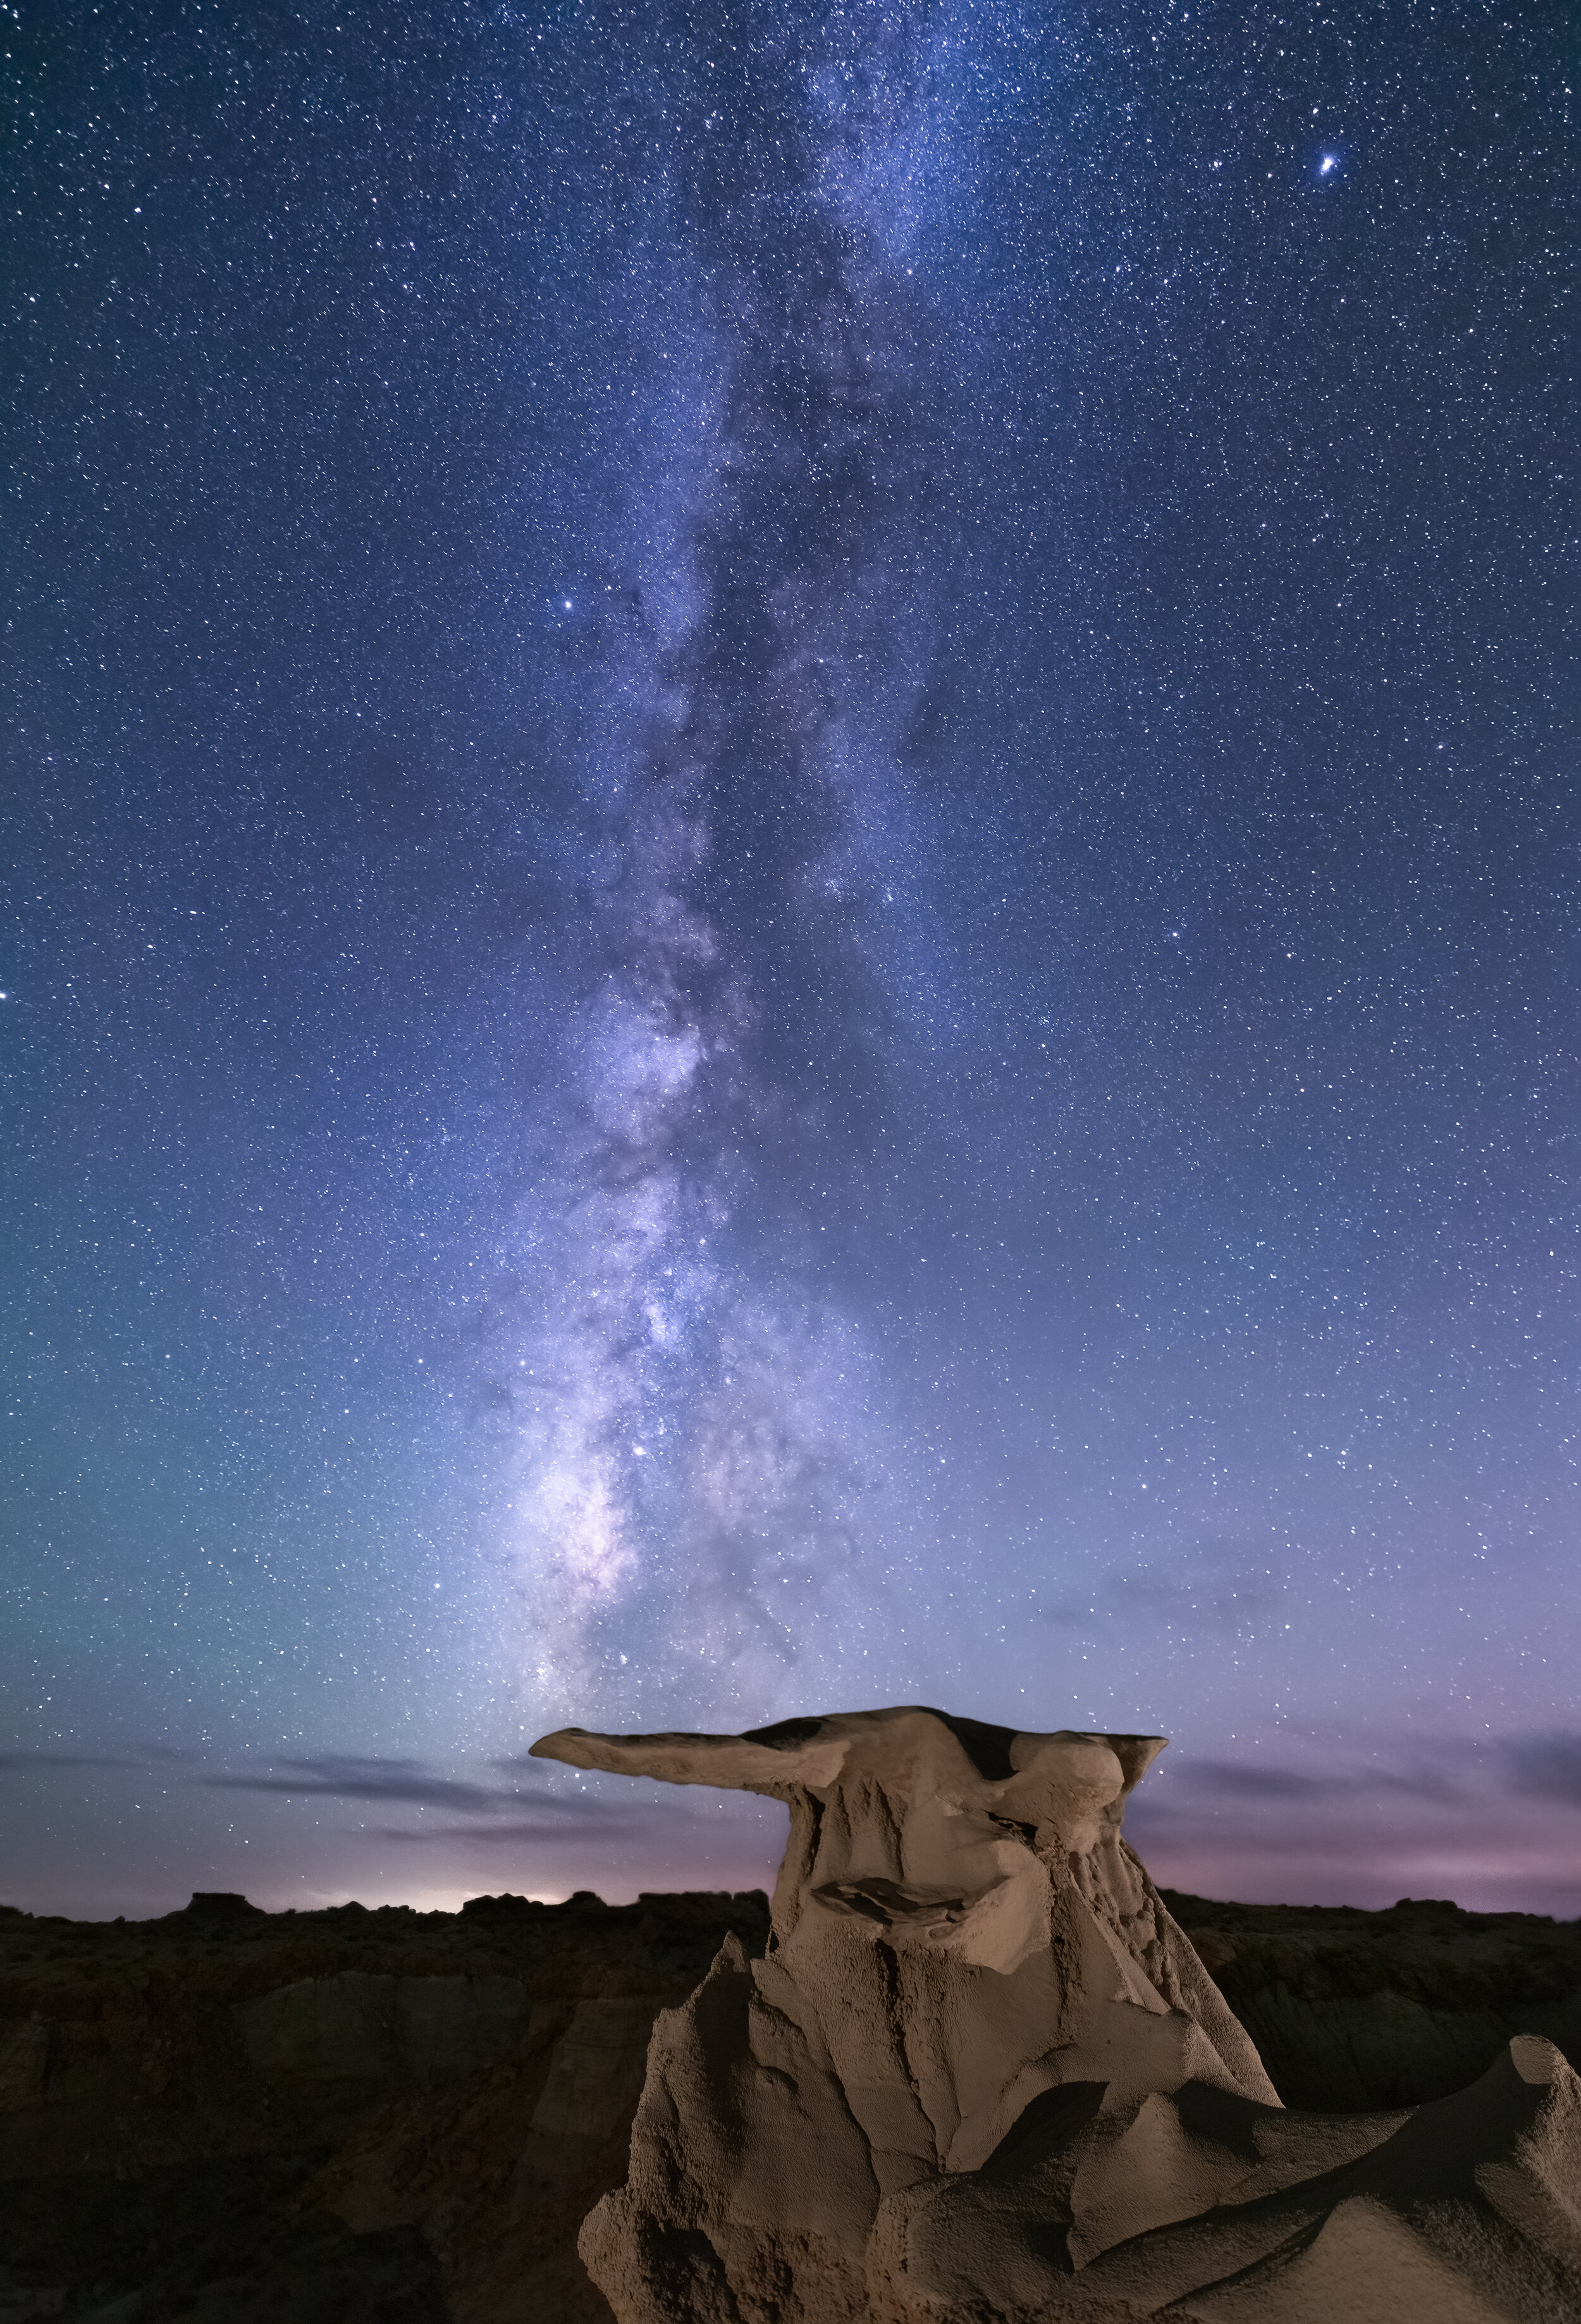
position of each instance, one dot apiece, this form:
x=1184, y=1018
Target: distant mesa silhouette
x=223, y=1905
x=982, y=2074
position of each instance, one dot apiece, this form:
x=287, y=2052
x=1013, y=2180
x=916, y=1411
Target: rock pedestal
x=980, y=2074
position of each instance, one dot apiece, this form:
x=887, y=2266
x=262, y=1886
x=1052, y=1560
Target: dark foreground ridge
x=399, y=2117
x=1355, y=2011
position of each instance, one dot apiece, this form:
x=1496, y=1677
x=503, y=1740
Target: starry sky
x=790, y=921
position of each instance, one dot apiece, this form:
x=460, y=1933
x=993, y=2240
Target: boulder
x=981, y=2077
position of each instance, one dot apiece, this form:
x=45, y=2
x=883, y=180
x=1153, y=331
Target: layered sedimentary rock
x=226, y=2110
x=980, y=2074
x=1352, y=2010
x=374, y=2117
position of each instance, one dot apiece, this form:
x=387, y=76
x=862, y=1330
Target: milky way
x=791, y=923
x=706, y=1482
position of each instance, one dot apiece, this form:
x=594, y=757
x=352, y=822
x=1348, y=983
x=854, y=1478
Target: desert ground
x=397, y=2118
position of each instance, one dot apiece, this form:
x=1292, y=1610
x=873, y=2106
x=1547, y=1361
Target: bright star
x=1329, y=161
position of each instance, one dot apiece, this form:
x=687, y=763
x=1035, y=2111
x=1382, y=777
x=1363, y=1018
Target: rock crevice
x=982, y=2076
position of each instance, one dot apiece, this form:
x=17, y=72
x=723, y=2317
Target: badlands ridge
x=346, y=2116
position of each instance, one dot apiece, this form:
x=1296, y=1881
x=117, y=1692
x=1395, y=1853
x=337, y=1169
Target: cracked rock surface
x=982, y=2077
x=396, y=2117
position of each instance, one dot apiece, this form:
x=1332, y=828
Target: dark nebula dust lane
x=707, y=1495
x=791, y=922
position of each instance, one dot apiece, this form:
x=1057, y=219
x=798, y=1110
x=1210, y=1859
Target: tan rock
x=958, y=1930
x=981, y=2077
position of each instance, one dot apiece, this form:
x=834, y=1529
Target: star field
x=791, y=923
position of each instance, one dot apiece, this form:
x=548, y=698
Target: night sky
x=791, y=921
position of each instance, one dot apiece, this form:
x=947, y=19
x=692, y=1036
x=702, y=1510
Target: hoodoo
x=982, y=2074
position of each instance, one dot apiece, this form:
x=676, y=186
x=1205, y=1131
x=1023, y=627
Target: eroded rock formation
x=980, y=2074
x=339, y=2116
x=1353, y=2010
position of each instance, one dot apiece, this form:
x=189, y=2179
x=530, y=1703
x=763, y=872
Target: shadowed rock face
x=407, y=2115
x=980, y=2074
x=1352, y=2009
x=339, y=2116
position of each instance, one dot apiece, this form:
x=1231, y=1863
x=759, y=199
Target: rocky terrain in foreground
x=1354, y=2011
x=400, y=2117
